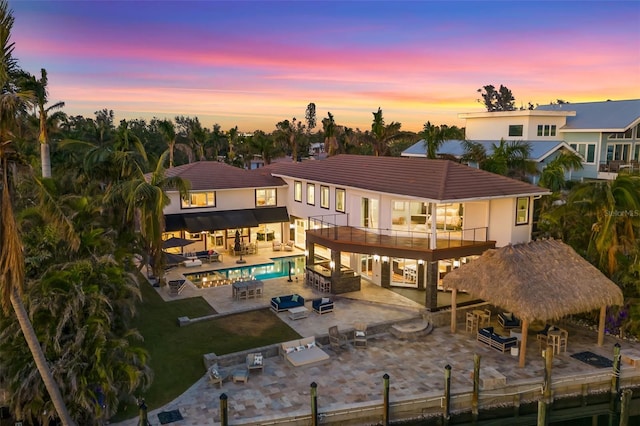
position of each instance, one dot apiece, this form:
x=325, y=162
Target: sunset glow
x=253, y=64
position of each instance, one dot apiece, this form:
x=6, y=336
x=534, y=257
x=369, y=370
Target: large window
x=618, y=152
x=297, y=191
x=266, y=197
x=324, y=197
x=311, y=194
x=198, y=199
x=586, y=150
x=516, y=130
x=622, y=135
x=522, y=211
x=546, y=130
x=340, y=199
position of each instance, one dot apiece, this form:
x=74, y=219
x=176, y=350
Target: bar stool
x=472, y=322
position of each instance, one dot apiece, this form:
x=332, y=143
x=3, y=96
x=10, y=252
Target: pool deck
x=353, y=377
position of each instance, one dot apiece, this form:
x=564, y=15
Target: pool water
x=277, y=269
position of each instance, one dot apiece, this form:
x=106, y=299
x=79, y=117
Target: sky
x=253, y=64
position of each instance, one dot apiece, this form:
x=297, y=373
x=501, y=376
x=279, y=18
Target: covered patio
x=542, y=280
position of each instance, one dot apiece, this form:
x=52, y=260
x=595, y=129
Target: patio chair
x=216, y=376
x=542, y=335
x=255, y=361
x=277, y=245
x=336, y=339
x=288, y=246
x=360, y=335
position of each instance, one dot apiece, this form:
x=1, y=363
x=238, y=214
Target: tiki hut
x=541, y=280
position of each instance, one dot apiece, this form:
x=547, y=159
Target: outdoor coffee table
x=298, y=313
x=240, y=376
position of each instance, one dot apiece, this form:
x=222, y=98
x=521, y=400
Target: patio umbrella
x=237, y=247
x=176, y=242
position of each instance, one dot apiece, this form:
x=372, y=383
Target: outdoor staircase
x=411, y=330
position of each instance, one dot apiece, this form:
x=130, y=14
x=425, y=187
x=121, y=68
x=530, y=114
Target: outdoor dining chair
x=360, y=335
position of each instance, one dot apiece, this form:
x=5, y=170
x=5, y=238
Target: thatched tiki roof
x=541, y=280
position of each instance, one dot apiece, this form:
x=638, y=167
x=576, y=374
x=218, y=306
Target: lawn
x=176, y=352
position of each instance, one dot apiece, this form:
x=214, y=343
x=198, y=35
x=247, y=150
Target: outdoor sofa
x=322, y=305
x=496, y=341
x=284, y=303
x=303, y=351
x=508, y=320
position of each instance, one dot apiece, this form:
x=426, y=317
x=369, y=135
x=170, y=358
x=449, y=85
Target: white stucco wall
x=502, y=219
x=497, y=127
x=227, y=199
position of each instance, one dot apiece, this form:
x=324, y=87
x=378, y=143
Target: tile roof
x=436, y=180
x=539, y=149
x=213, y=175
x=609, y=115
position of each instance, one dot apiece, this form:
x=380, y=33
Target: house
x=391, y=220
x=605, y=134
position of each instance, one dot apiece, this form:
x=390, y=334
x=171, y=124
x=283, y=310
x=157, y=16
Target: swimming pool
x=276, y=269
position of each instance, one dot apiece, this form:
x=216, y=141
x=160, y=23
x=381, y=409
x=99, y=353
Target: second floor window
x=516, y=130
x=266, y=197
x=522, y=211
x=340, y=199
x=546, y=130
x=586, y=150
x=324, y=197
x=311, y=194
x=195, y=200
x=297, y=191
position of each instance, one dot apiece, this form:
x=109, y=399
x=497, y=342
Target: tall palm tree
x=264, y=145
x=168, y=131
x=145, y=198
x=46, y=118
x=330, y=140
x=11, y=257
x=291, y=132
x=434, y=136
x=383, y=134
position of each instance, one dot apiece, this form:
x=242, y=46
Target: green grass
x=176, y=352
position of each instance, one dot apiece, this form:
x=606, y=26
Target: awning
x=212, y=221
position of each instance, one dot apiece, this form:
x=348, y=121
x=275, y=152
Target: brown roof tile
x=205, y=175
x=437, y=180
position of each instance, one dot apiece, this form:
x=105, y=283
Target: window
x=546, y=130
x=311, y=194
x=266, y=197
x=618, y=152
x=198, y=199
x=340, y=200
x=516, y=130
x=297, y=191
x=586, y=150
x=324, y=197
x=623, y=135
x=522, y=211
x=195, y=236
x=636, y=155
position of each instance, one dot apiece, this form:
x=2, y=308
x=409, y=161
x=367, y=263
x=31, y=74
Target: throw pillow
x=508, y=316
x=278, y=299
x=299, y=348
x=289, y=350
x=257, y=360
x=324, y=300
x=294, y=298
x=360, y=334
x=311, y=345
x=214, y=373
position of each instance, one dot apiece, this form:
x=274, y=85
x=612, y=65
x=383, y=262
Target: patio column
x=421, y=280
x=431, y=289
x=523, y=342
x=454, y=315
x=311, y=251
x=603, y=315
x=385, y=272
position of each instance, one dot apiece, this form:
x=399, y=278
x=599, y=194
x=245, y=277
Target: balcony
x=612, y=168
x=394, y=243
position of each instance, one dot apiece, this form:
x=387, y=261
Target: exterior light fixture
x=420, y=262
x=332, y=264
x=385, y=258
x=376, y=257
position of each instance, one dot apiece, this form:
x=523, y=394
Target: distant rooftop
x=539, y=149
x=614, y=116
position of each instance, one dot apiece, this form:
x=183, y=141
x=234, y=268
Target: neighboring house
x=605, y=134
x=394, y=221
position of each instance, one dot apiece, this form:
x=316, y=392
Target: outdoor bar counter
x=344, y=281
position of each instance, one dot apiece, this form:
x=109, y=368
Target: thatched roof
x=540, y=280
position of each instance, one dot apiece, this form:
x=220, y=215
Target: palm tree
x=168, y=131
x=383, y=134
x=46, y=119
x=145, y=196
x=330, y=140
x=264, y=145
x=434, y=136
x=553, y=175
x=11, y=256
x=291, y=132
x=613, y=207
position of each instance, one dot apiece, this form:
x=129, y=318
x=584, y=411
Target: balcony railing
x=393, y=237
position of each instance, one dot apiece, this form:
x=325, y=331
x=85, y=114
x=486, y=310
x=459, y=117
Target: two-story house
x=394, y=221
x=605, y=134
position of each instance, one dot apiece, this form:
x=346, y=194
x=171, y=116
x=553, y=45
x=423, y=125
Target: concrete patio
x=353, y=378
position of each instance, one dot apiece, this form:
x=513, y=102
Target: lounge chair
x=288, y=246
x=508, y=320
x=277, y=245
x=255, y=361
x=336, y=339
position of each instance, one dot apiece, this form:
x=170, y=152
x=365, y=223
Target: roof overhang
x=517, y=113
x=228, y=219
